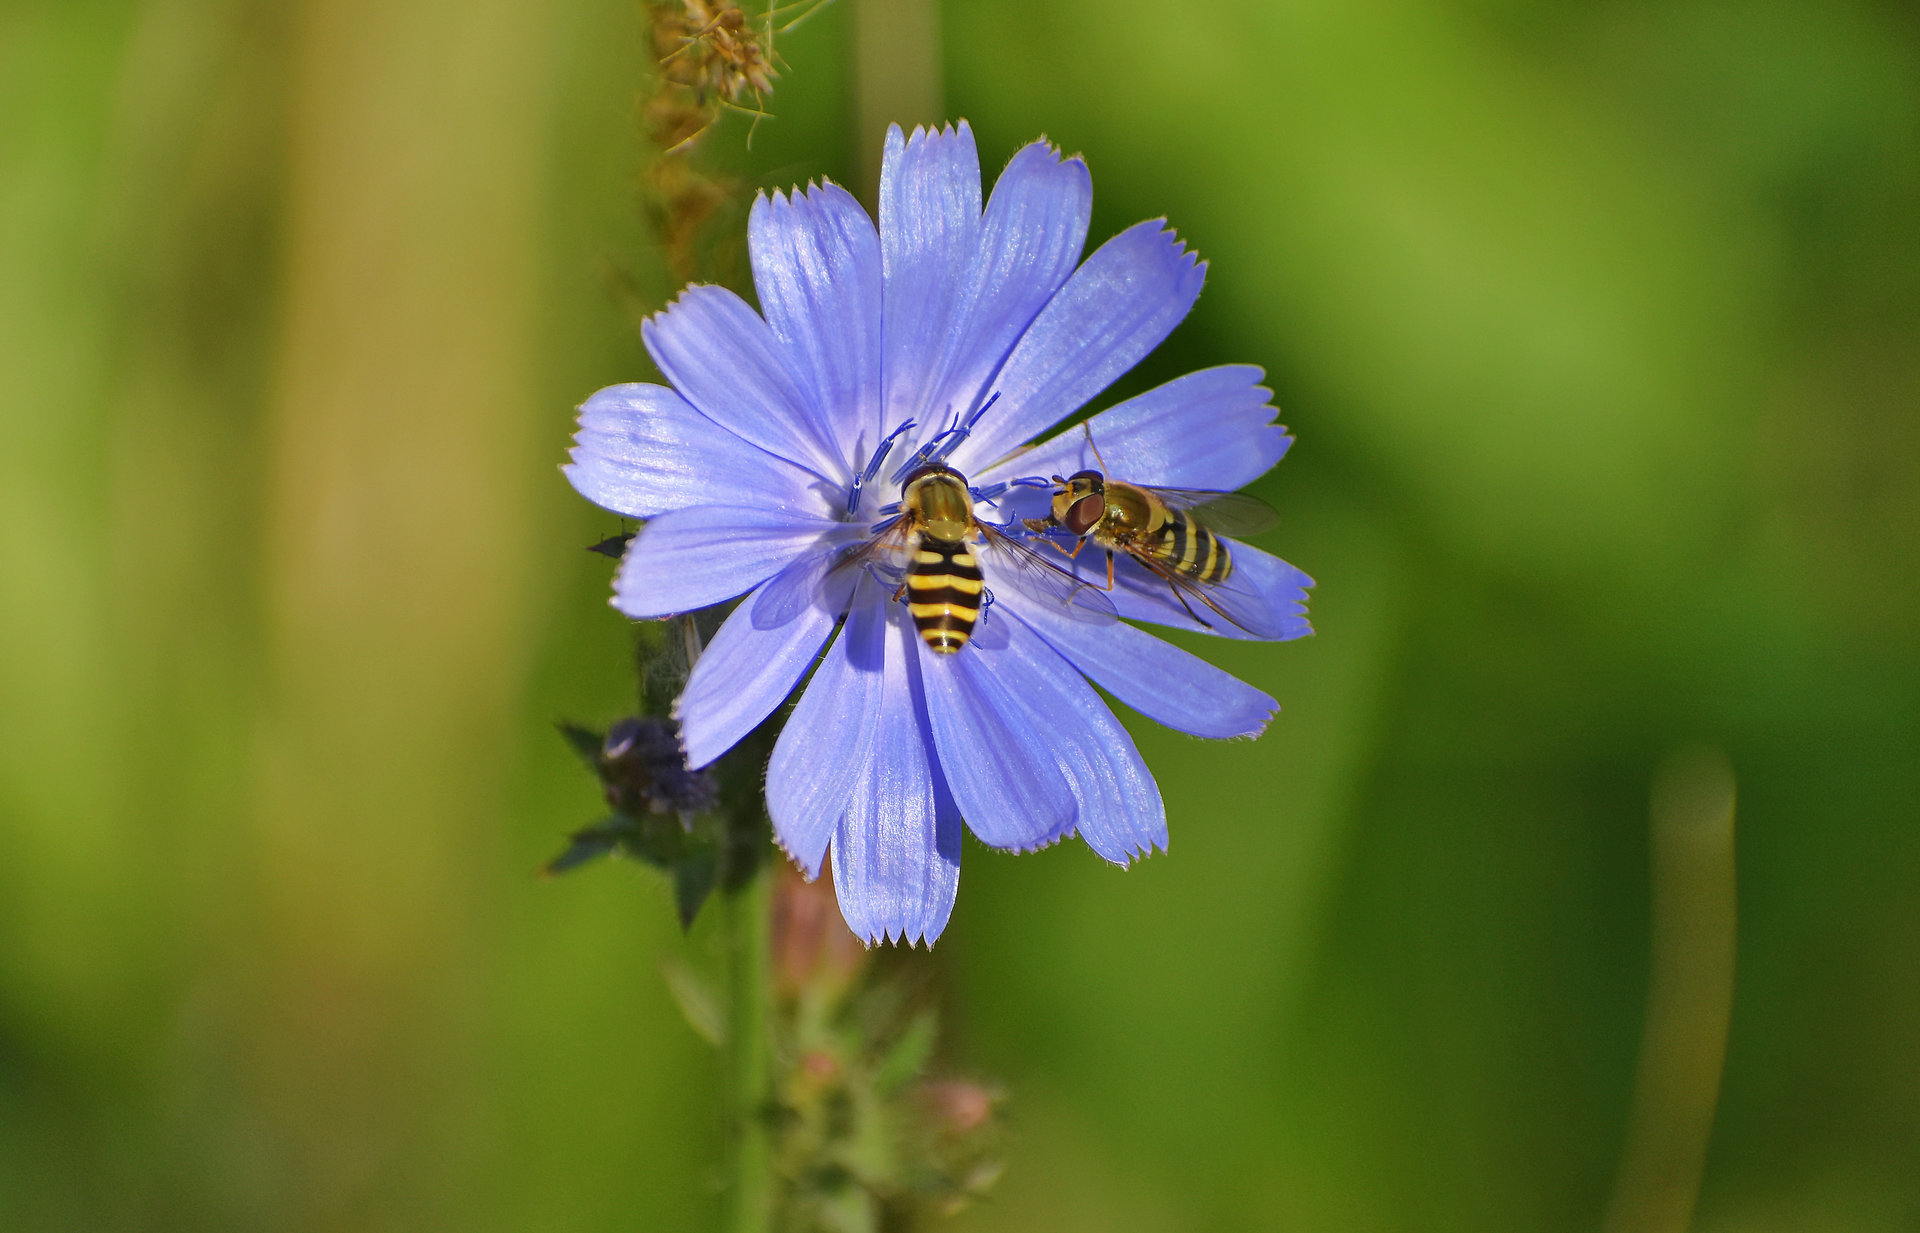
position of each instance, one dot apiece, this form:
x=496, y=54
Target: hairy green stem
x=749, y=1073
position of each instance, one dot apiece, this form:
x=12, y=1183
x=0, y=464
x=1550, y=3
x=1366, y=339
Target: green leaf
x=699, y=1002
x=586, y=742
x=589, y=844
x=908, y=1055
x=693, y=878
x=656, y=841
x=614, y=546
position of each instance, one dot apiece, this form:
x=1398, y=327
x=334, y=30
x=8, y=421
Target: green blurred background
x=1598, y=324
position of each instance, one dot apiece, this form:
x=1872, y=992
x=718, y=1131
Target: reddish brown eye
x=1084, y=514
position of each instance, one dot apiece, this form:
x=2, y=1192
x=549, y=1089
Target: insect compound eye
x=1083, y=515
x=1088, y=481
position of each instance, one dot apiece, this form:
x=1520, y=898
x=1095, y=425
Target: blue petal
x=1033, y=233
x=690, y=558
x=1268, y=595
x=816, y=267
x=1118, y=812
x=995, y=745
x=1116, y=308
x=929, y=243
x=1155, y=678
x=828, y=739
x=1210, y=429
x=896, y=854
x=1031, y=237
x=724, y=360
x=758, y=656
x=643, y=450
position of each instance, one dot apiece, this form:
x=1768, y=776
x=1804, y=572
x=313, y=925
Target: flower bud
x=957, y=1107
x=643, y=771
x=812, y=947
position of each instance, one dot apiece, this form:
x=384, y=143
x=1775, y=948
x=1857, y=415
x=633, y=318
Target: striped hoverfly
x=1174, y=533
x=934, y=534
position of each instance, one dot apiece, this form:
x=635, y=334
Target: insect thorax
x=1130, y=512
x=940, y=504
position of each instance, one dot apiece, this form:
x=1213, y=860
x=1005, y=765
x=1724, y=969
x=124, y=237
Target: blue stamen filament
x=941, y=445
x=874, y=464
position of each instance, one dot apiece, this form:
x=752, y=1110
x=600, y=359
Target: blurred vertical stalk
x=897, y=79
x=1690, y=997
x=749, y=1057
x=402, y=391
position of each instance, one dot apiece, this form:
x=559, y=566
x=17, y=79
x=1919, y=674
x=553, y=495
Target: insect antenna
x=1086, y=426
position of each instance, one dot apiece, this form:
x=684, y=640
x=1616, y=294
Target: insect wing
x=884, y=552
x=1224, y=513
x=1233, y=600
x=1079, y=599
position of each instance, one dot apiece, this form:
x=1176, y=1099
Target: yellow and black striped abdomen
x=1188, y=548
x=943, y=593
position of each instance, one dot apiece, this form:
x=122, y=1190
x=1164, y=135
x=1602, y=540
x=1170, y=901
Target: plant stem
x=748, y=921
x=1689, y=1000
x=896, y=77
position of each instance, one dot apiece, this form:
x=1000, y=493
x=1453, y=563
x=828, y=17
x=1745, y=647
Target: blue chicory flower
x=748, y=473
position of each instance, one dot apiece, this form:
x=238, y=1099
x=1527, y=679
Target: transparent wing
x=1223, y=513
x=1211, y=602
x=885, y=553
x=1005, y=556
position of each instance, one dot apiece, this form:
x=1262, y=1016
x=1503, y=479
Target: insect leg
x=1189, y=607
x=1050, y=542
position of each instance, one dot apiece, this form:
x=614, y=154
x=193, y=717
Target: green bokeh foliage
x=1599, y=327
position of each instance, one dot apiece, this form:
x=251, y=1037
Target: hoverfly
x=944, y=586
x=1174, y=533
